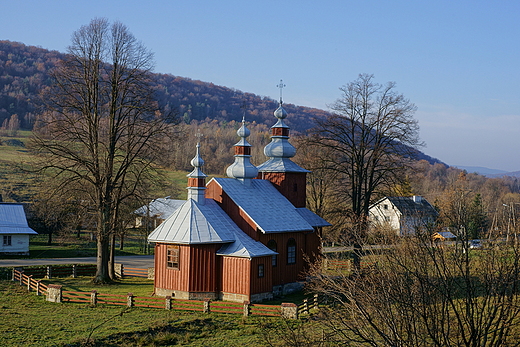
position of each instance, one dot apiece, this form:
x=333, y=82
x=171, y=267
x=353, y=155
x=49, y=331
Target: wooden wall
x=292, y=185
x=198, y=266
x=236, y=275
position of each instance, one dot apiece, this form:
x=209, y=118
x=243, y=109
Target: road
x=140, y=261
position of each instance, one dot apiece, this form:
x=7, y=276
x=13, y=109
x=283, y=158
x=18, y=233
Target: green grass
x=28, y=320
x=135, y=285
x=71, y=247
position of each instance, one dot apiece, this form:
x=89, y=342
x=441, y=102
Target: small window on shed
x=385, y=206
x=291, y=251
x=172, y=257
x=260, y=270
x=7, y=240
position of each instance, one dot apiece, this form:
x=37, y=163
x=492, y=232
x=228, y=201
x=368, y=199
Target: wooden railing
x=55, y=293
x=28, y=281
x=134, y=272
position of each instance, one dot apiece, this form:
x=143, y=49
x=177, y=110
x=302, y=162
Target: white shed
x=14, y=230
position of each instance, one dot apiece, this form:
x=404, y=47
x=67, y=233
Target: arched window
x=272, y=246
x=291, y=251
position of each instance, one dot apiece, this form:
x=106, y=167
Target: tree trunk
x=121, y=240
x=111, y=262
x=103, y=257
x=49, y=238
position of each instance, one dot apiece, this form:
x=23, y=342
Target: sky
x=457, y=61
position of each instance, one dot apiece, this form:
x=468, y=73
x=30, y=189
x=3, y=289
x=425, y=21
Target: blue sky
x=458, y=61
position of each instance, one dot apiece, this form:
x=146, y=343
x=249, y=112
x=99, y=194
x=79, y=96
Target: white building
x=404, y=214
x=14, y=230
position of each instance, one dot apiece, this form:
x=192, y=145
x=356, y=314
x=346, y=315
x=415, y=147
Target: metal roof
x=280, y=165
x=265, y=205
x=245, y=247
x=13, y=219
x=312, y=218
x=193, y=223
x=160, y=207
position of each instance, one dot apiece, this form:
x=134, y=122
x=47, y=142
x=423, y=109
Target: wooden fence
x=54, y=293
x=76, y=270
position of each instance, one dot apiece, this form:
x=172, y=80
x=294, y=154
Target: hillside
x=24, y=72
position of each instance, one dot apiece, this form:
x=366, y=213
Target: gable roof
x=265, y=205
x=160, y=207
x=13, y=219
x=195, y=224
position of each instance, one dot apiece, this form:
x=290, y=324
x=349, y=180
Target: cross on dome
x=281, y=86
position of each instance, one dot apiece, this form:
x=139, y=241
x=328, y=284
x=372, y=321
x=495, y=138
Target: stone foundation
x=234, y=297
x=182, y=295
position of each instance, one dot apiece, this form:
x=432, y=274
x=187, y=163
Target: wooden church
x=247, y=237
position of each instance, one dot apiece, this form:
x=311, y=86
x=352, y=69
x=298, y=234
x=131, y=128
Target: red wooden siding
x=289, y=184
x=261, y=284
x=197, y=269
x=203, y=266
x=284, y=273
x=236, y=275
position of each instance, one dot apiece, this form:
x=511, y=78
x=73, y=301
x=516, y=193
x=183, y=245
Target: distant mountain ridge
x=484, y=171
x=24, y=71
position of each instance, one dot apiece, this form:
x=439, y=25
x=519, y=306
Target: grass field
x=28, y=320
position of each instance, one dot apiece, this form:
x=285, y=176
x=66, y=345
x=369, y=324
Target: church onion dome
x=197, y=162
x=197, y=179
x=281, y=114
x=280, y=150
x=242, y=169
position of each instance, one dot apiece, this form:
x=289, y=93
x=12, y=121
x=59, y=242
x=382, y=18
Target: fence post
x=29, y=279
x=49, y=271
x=247, y=308
x=168, y=303
x=38, y=287
x=16, y=269
x=54, y=293
x=316, y=301
x=289, y=310
x=207, y=308
x=305, y=306
x=130, y=300
x=21, y=278
x=74, y=271
x=151, y=273
x=93, y=298
x=119, y=269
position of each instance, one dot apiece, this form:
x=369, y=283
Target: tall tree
x=100, y=129
x=370, y=137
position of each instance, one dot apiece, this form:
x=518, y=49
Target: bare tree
x=368, y=139
x=420, y=294
x=99, y=134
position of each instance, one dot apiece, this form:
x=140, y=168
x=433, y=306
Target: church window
x=260, y=270
x=291, y=251
x=272, y=246
x=172, y=257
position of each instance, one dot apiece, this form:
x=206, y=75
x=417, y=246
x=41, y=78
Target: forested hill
x=24, y=71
